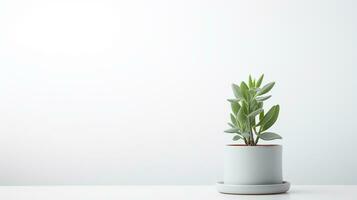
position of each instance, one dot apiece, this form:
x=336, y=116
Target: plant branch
x=256, y=141
x=251, y=139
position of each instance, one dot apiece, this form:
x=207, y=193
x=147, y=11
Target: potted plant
x=251, y=168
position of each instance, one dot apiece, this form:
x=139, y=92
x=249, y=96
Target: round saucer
x=253, y=189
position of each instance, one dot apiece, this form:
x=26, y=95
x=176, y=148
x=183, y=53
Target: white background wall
x=133, y=92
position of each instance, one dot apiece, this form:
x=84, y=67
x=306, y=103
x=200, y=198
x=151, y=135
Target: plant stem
x=256, y=141
x=251, y=139
x=245, y=140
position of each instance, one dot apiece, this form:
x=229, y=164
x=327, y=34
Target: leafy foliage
x=249, y=122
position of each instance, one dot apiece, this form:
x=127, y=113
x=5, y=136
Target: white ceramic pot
x=253, y=165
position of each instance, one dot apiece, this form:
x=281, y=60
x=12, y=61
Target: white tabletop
x=167, y=193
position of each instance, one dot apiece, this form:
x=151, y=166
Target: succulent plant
x=249, y=122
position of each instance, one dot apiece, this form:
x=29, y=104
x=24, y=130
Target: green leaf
x=261, y=116
x=231, y=125
x=244, y=90
x=266, y=89
x=233, y=120
x=250, y=82
x=245, y=107
x=237, y=91
x=263, y=98
x=269, y=136
x=260, y=80
x=242, y=119
x=235, y=107
x=245, y=135
x=256, y=112
x=272, y=120
x=232, y=130
x=234, y=100
x=253, y=106
x=267, y=116
x=252, y=92
x=236, y=137
x=242, y=114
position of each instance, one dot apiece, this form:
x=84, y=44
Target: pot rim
x=259, y=145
